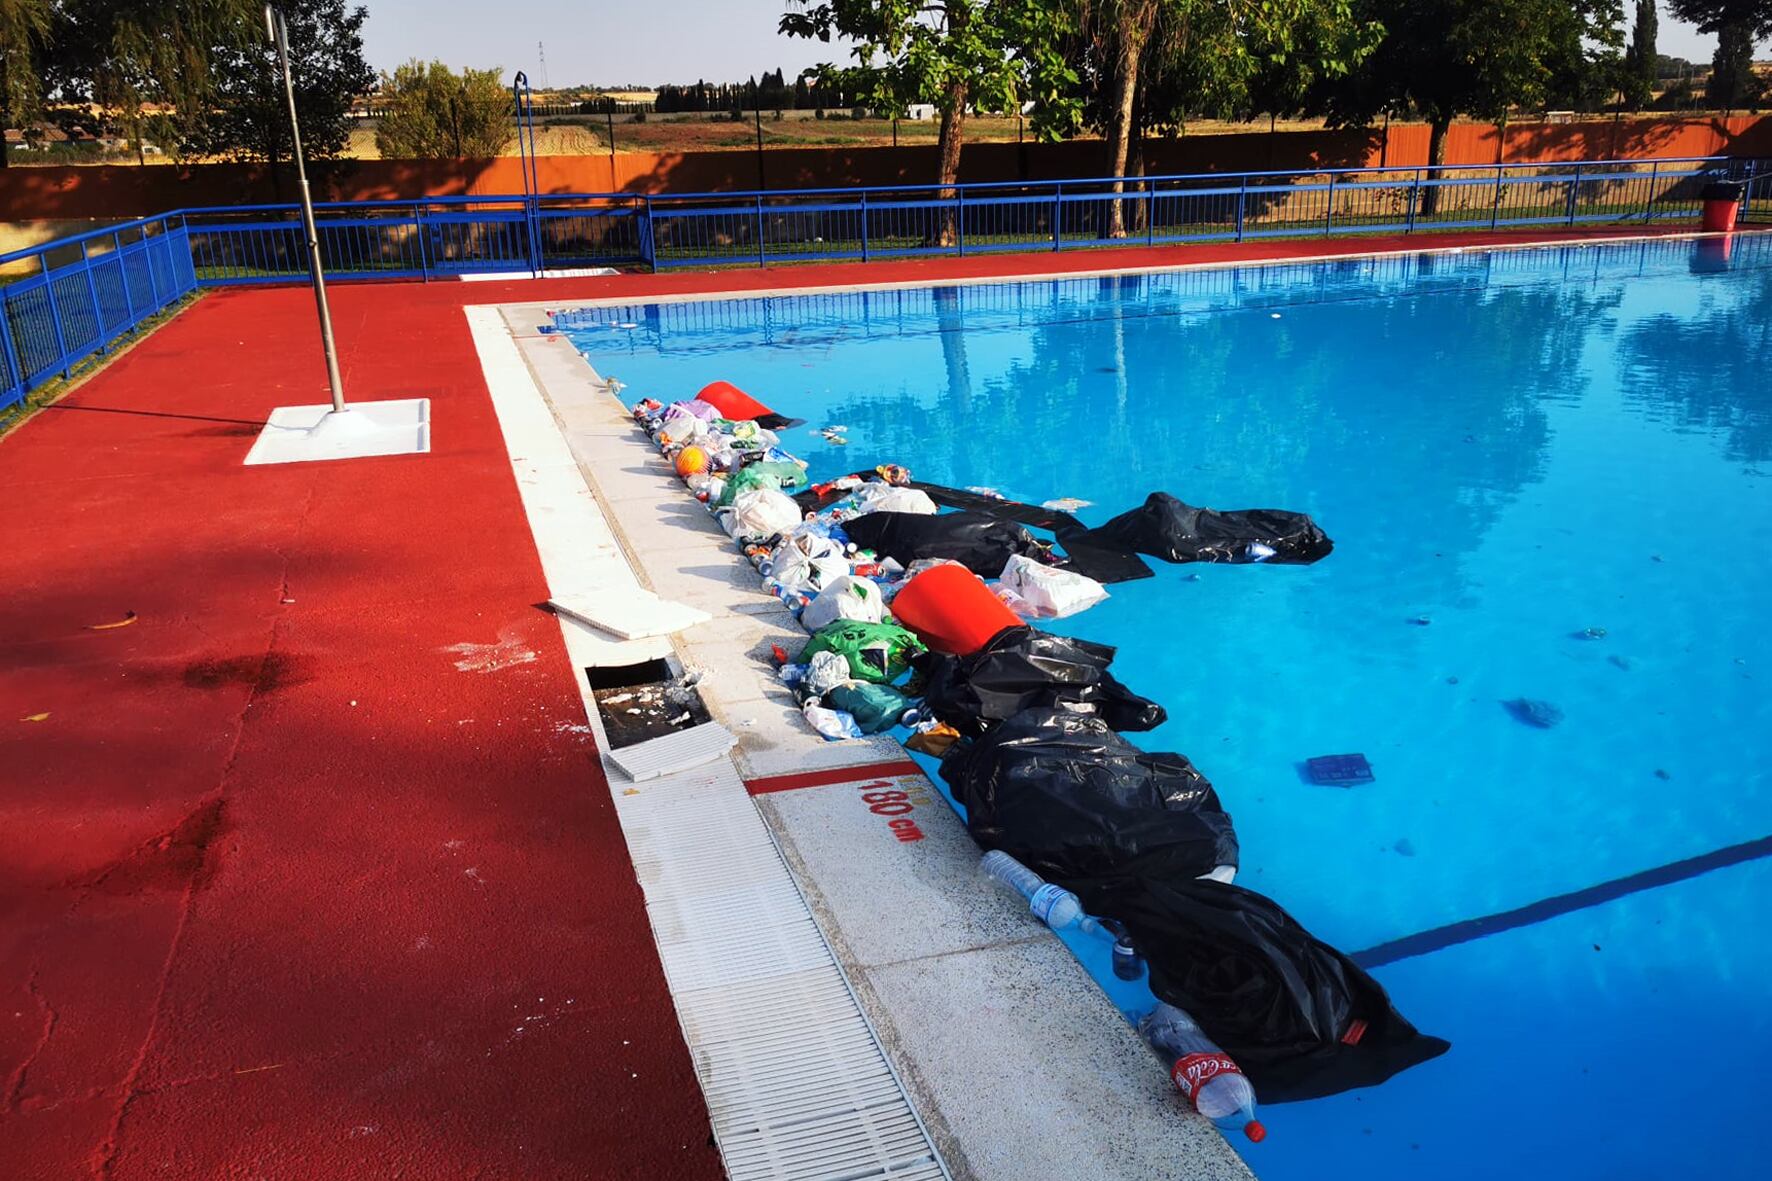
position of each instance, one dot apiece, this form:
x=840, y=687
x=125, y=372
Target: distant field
x=584, y=135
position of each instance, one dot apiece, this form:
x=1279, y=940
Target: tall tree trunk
x=1135, y=168
x=1127, y=45
x=5, y=116
x=953, y=124
x=1436, y=157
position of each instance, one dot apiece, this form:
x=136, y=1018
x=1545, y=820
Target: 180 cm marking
x=883, y=799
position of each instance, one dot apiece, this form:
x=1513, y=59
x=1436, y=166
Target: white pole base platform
x=302, y=434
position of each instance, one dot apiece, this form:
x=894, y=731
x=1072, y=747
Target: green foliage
x=127, y=55
x=24, y=24
x=433, y=112
x=986, y=53
x=1737, y=24
x=1637, y=78
x=251, y=116
x=1444, y=58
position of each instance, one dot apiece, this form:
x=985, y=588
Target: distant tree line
x=770, y=90
x=1128, y=69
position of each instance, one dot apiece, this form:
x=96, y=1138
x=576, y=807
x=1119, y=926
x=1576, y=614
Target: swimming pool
x=1546, y=473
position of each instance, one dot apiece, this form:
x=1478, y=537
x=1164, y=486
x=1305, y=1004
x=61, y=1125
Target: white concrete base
x=302, y=434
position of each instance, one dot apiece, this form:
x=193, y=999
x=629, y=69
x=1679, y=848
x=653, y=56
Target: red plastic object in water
x=732, y=402
x=951, y=610
x=1255, y=1131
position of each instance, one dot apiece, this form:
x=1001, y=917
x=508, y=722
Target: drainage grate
x=796, y=1083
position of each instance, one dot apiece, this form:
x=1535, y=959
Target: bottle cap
x=1255, y=1131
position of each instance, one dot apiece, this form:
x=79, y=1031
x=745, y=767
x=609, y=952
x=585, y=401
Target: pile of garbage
x=924, y=619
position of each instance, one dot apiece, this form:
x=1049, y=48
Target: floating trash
x=1339, y=770
x=1065, y=504
x=1589, y=633
x=1540, y=714
x=1421, y=620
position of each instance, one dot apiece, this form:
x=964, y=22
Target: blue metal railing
x=62, y=302
x=532, y=231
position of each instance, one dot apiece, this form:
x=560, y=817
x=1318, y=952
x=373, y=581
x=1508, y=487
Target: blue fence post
x=761, y=261
x=1649, y=195
x=1242, y=206
x=1057, y=215
x=1574, y=194
x=1150, y=214
x=1329, y=213
x=648, y=243
x=864, y=225
x=55, y=319
x=14, y=368
x=1414, y=200
x=960, y=220
x=1495, y=207
x=418, y=231
x=98, y=313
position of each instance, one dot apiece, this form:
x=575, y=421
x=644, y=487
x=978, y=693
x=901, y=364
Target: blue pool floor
x=1511, y=449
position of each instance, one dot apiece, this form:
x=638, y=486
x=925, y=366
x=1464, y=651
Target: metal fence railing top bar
x=65, y=300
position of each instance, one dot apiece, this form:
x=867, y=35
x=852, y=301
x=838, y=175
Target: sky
x=610, y=42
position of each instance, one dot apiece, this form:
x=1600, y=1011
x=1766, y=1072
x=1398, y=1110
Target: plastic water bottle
x=1212, y=1082
x=1053, y=905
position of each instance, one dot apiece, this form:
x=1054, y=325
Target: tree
x=1161, y=60
x=431, y=112
x=1737, y=24
x=1444, y=58
x=251, y=118
x=1640, y=72
x=955, y=54
x=133, y=56
x=23, y=26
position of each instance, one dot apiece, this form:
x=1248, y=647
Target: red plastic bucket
x=1719, y=216
x=732, y=402
x=951, y=610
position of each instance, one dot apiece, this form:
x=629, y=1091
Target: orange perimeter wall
x=111, y=191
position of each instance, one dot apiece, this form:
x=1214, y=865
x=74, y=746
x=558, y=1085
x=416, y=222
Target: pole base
x=303, y=434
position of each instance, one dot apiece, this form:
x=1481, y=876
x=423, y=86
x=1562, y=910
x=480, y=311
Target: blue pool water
x=1517, y=446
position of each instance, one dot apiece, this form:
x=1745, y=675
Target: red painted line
x=774, y=783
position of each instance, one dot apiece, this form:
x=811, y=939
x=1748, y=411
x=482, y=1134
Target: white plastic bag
x=1046, y=592
x=833, y=724
x=847, y=597
x=879, y=497
x=762, y=512
x=824, y=672
x=805, y=563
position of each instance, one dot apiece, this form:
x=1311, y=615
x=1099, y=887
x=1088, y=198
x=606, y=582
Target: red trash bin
x=951, y=610
x=1722, y=204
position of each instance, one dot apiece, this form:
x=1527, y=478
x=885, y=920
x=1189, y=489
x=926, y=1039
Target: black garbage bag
x=981, y=543
x=1300, y=1018
x=1021, y=668
x=1166, y=528
x=1073, y=801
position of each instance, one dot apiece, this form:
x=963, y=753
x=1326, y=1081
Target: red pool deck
x=309, y=870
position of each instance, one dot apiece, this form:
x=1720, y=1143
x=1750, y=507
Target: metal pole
x=279, y=33
x=611, y=114
x=757, y=102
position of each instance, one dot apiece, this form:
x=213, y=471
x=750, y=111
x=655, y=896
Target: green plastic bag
x=874, y=707
x=777, y=476
x=876, y=652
